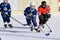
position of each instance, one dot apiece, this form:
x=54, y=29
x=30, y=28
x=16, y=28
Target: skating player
x=5, y=10
x=30, y=13
x=43, y=12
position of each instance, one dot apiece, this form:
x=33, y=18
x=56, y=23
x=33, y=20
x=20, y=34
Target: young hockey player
x=5, y=10
x=30, y=13
x=43, y=12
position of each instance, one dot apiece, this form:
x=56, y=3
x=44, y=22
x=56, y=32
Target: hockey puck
x=47, y=34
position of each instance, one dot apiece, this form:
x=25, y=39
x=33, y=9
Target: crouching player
x=30, y=13
x=5, y=10
x=43, y=12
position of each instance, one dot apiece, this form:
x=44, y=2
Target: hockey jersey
x=43, y=10
x=5, y=8
x=28, y=10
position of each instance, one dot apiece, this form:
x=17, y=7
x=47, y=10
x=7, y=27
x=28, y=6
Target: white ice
x=20, y=32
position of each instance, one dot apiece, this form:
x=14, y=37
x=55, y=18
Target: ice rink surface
x=20, y=32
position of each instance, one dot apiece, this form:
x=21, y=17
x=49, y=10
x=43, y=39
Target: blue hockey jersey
x=5, y=8
x=28, y=10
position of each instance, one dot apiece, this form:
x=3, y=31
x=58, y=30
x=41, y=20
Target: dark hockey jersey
x=5, y=8
x=28, y=11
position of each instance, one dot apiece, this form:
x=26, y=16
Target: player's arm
x=35, y=13
x=0, y=7
x=1, y=10
x=25, y=12
x=48, y=9
x=9, y=9
x=39, y=10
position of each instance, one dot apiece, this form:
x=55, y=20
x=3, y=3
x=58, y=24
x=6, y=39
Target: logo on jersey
x=5, y=9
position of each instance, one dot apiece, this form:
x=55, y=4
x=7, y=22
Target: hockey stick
x=49, y=28
x=17, y=21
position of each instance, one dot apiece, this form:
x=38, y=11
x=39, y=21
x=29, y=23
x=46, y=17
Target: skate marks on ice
x=30, y=36
x=17, y=30
x=21, y=27
x=17, y=27
x=24, y=33
x=12, y=31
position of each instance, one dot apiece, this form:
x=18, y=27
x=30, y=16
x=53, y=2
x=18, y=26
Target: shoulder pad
x=28, y=8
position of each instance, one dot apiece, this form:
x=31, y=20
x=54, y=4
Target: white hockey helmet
x=32, y=4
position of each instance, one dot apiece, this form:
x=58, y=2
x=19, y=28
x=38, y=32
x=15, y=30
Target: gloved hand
x=6, y=13
x=39, y=13
x=9, y=15
x=30, y=14
x=48, y=11
x=34, y=15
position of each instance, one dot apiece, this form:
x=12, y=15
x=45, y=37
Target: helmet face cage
x=32, y=5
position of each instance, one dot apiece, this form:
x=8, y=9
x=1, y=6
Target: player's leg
x=41, y=21
x=48, y=15
x=45, y=18
x=9, y=23
x=5, y=23
x=29, y=24
x=4, y=20
x=35, y=24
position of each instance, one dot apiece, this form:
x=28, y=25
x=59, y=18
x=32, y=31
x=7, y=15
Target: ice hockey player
x=43, y=12
x=5, y=10
x=30, y=13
